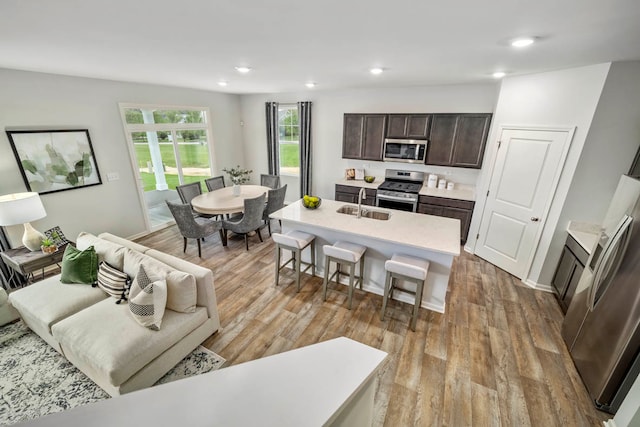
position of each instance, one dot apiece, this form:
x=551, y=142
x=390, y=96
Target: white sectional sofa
x=100, y=337
x=7, y=312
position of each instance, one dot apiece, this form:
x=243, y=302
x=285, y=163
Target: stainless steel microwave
x=405, y=150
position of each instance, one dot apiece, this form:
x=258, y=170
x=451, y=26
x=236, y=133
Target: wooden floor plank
x=481, y=358
x=430, y=392
x=526, y=356
x=539, y=401
x=513, y=406
x=567, y=409
x=485, y=409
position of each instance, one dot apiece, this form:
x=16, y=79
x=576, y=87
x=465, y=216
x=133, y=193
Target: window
x=171, y=145
x=289, y=139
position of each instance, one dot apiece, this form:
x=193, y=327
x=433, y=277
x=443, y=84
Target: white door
x=524, y=178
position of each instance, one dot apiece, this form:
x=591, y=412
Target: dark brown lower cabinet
x=349, y=194
x=450, y=208
x=570, y=268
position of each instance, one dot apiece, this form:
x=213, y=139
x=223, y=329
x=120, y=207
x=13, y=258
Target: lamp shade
x=20, y=208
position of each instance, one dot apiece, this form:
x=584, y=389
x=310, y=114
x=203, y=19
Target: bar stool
x=343, y=253
x=296, y=242
x=406, y=268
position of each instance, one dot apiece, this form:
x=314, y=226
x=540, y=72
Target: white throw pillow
x=147, y=300
x=182, y=293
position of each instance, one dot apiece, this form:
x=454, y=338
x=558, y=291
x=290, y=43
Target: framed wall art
x=55, y=160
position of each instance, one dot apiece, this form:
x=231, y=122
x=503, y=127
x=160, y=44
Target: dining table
x=223, y=201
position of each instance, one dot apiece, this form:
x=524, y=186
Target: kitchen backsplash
x=456, y=175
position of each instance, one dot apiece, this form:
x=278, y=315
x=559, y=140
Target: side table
x=22, y=260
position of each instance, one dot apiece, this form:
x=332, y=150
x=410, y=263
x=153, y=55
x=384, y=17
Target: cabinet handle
x=535, y=219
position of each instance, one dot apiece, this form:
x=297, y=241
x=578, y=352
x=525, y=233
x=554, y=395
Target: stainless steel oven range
x=400, y=190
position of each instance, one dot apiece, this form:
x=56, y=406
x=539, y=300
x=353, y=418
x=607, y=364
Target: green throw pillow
x=79, y=266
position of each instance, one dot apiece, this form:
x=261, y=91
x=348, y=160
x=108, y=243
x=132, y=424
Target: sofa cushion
x=79, y=266
x=108, y=341
x=148, y=300
x=123, y=242
x=50, y=301
x=181, y=287
x=107, y=251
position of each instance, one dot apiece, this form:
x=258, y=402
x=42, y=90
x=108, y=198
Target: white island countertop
x=425, y=232
x=330, y=383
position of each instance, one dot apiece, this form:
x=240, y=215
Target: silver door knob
x=535, y=219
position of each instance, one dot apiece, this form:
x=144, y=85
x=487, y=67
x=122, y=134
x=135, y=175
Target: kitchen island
x=433, y=238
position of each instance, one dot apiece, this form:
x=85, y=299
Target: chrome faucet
x=362, y=195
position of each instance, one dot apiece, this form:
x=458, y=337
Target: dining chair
x=248, y=221
x=271, y=181
x=215, y=183
x=187, y=192
x=275, y=202
x=193, y=228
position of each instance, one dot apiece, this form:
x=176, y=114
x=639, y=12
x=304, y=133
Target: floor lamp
x=22, y=208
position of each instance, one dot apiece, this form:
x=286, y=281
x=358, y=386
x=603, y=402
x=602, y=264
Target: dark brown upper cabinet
x=363, y=136
x=411, y=126
x=458, y=139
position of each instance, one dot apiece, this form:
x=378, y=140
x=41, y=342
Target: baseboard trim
x=609, y=423
x=138, y=235
x=538, y=286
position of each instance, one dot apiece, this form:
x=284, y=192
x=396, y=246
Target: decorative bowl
x=311, y=202
x=369, y=178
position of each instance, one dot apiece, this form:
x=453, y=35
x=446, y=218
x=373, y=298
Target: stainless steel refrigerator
x=602, y=324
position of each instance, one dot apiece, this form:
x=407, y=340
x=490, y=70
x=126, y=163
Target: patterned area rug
x=35, y=380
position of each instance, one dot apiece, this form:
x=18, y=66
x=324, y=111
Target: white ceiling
x=196, y=43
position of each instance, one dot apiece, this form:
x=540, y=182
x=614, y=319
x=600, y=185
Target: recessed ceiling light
x=310, y=85
x=243, y=70
x=499, y=74
x=522, y=42
x=222, y=83
x=376, y=71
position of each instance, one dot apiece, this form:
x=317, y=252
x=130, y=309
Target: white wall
x=50, y=101
x=327, y=114
x=562, y=99
x=609, y=149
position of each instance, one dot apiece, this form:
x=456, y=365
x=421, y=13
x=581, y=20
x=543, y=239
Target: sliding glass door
x=170, y=147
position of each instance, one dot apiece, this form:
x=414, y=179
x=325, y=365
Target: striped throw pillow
x=147, y=300
x=114, y=282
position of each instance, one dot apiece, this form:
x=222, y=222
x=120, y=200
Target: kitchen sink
x=364, y=212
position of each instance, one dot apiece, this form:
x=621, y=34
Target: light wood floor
x=495, y=358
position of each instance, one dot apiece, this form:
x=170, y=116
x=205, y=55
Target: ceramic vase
x=236, y=190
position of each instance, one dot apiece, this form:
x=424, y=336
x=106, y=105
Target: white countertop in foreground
x=309, y=386
x=460, y=192
x=421, y=231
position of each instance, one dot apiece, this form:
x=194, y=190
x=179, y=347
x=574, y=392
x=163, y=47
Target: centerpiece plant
x=238, y=175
